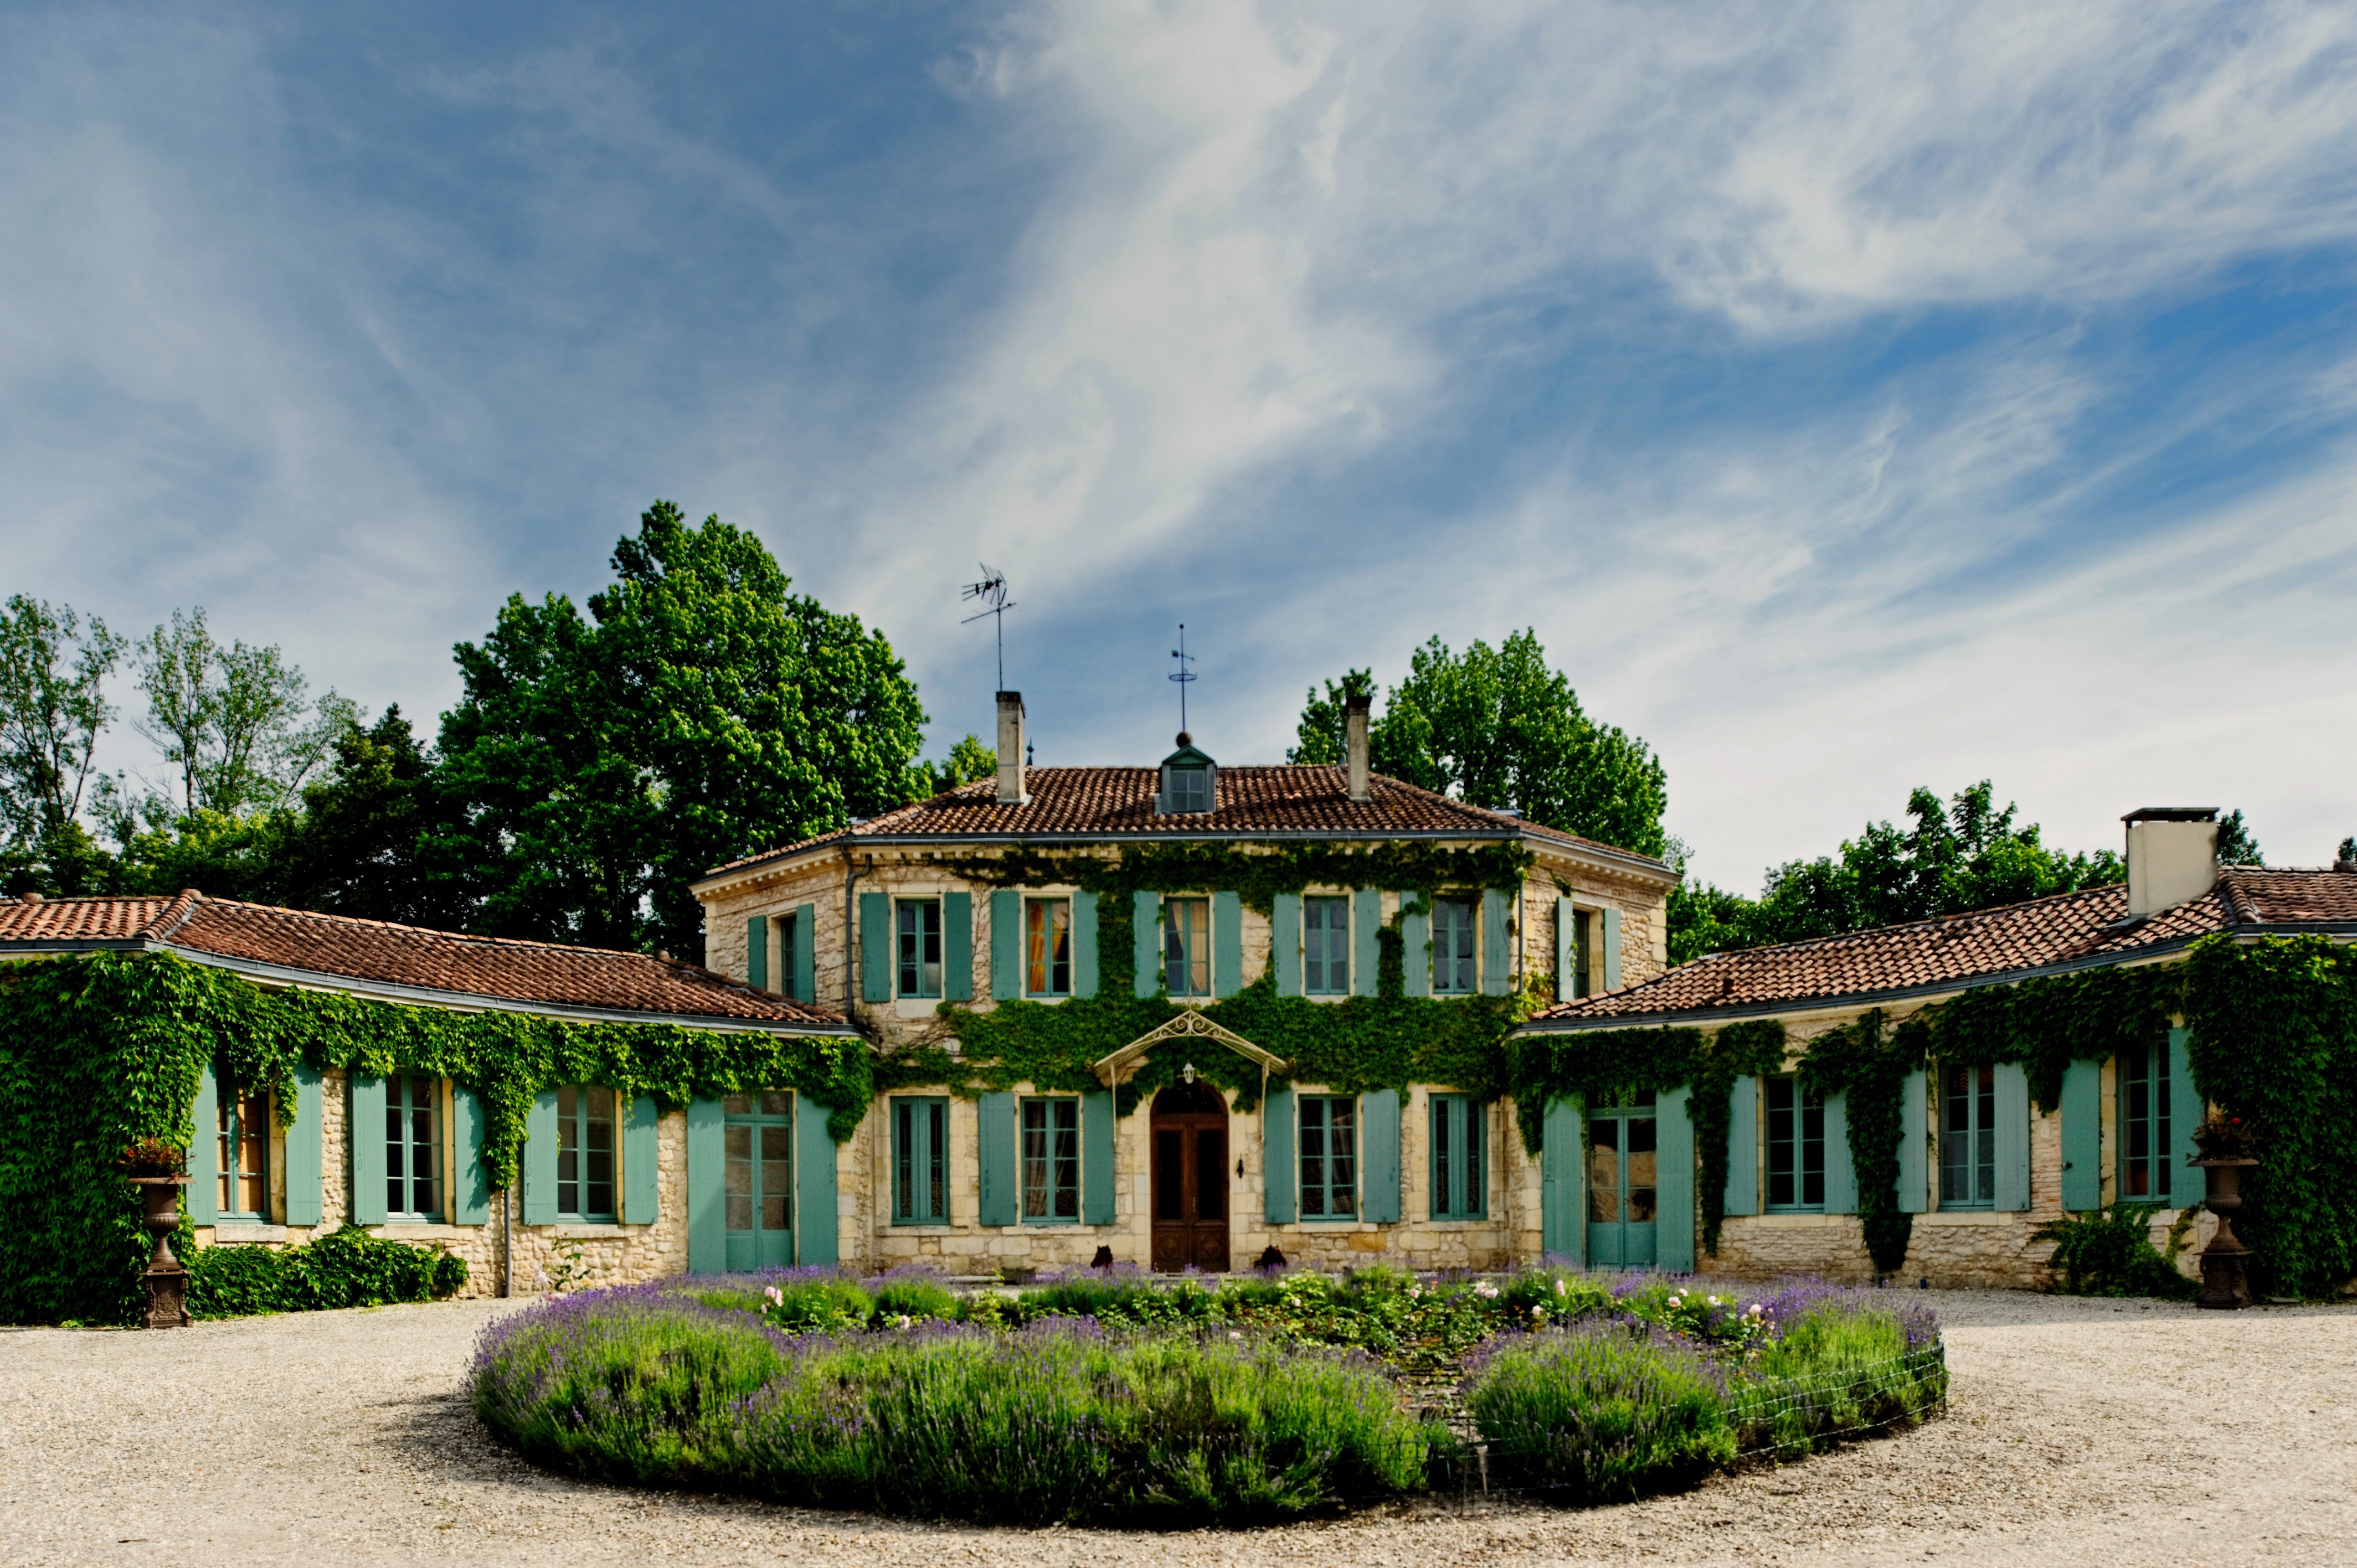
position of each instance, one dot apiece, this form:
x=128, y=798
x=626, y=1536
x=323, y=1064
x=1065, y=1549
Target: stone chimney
x=1354, y=748
x=1010, y=750
x=2172, y=855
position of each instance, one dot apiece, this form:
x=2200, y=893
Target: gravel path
x=2117, y=1433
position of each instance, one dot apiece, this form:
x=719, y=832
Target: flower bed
x=1108, y=1399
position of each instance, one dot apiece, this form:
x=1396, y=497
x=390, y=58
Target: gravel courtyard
x=2079, y=1432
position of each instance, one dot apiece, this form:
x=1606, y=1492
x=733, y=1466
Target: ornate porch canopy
x=1189, y=1023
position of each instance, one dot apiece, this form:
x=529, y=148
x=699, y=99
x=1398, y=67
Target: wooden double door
x=1190, y=1128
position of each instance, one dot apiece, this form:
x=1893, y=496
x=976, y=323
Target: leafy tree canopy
x=699, y=713
x=1950, y=857
x=1500, y=727
x=969, y=760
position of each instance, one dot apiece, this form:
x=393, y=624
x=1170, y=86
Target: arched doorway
x=1191, y=1178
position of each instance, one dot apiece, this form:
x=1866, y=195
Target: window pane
x=1313, y=1156
x=777, y=1102
x=1342, y=1156
x=938, y=1163
x=739, y=1176
x=1443, y=1112
x=1812, y=1151
x=1641, y=1166
x=776, y=1175
x=1604, y=1171
x=597, y=1154
x=736, y=1105
x=1782, y=1181
x=904, y=1159
x=1035, y=1159
x=1067, y=1120
x=1476, y=1142
x=1582, y=921
x=568, y=1152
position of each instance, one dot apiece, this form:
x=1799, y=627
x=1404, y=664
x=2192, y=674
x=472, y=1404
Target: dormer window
x=1191, y=782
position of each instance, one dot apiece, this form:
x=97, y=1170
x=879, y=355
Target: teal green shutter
x=368, y=1150
x=2083, y=1134
x=1497, y=972
x=1145, y=909
x=471, y=1202
x=1611, y=950
x=814, y=1221
x=1566, y=949
x=1841, y=1171
x=1284, y=943
x=1914, y=1144
x=957, y=946
x=1379, y=1156
x=1227, y=944
x=998, y=1202
x=305, y=1204
x=2186, y=1110
x=1277, y=1176
x=707, y=1173
x=805, y=969
x=1366, y=953
x=1673, y=1177
x=539, y=1161
x=1415, y=947
x=1096, y=1157
x=756, y=951
x=875, y=947
x=2012, y=1136
x=204, y=1151
x=1743, y=1147
x=1563, y=1217
x=1084, y=944
x=642, y=1192
x=1007, y=944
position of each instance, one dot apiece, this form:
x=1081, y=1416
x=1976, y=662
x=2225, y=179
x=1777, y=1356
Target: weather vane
x=992, y=592
x=1182, y=674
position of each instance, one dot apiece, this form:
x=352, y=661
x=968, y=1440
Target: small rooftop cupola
x=2172, y=855
x=1190, y=781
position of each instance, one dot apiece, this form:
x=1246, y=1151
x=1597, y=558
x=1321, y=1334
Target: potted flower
x=2229, y=1147
x=159, y=1169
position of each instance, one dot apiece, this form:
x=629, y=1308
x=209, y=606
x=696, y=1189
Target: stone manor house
x=878, y=935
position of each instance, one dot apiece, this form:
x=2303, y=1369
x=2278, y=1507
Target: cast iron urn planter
x=2226, y=1282
x=168, y=1281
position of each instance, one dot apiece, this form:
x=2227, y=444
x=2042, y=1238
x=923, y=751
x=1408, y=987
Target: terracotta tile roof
x=1119, y=801
x=547, y=974
x=2068, y=929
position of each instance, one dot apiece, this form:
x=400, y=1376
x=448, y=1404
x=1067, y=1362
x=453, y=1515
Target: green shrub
x=1600, y=1414
x=1057, y=1422
x=914, y=1298
x=2109, y=1251
x=1840, y=1364
x=347, y=1267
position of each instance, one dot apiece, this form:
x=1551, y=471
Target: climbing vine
x=99, y=1050
x=1738, y=1050
x=1869, y=1067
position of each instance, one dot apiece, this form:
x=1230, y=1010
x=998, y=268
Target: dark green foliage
x=344, y=1268
x=968, y=760
x=1500, y=727
x=53, y=670
x=1962, y=855
x=366, y=844
x=700, y=712
x=97, y=1052
x=1600, y=1416
x=2109, y=1251
x=2274, y=1042
x=1592, y=1065
x=2235, y=845
x=1870, y=1067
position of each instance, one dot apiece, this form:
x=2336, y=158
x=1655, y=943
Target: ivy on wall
x=99, y=1050
x=1869, y=1067
x=1749, y=1049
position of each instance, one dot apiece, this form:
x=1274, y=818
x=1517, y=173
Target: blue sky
x=1852, y=397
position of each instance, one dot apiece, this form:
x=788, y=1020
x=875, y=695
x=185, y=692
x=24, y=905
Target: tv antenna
x=992, y=593
x=1185, y=677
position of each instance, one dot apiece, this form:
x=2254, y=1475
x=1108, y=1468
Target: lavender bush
x=1054, y=1421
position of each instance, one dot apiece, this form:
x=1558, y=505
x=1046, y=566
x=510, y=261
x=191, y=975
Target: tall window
x=789, y=984
x=2145, y=1168
x=1051, y=1160
x=413, y=1147
x=1325, y=947
x=1186, y=946
x=1452, y=947
x=1796, y=1146
x=585, y=1154
x=920, y=1161
x=920, y=946
x=1457, y=1146
x=244, y=1152
x=1048, y=947
x=1583, y=952
x=1968, y=1137
x=1330, y=1156
x=758, y=1134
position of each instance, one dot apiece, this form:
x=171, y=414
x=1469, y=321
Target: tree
x=700, y=711
x=969, y=760
x=1500, y=727
x=367, y=843
x=1958, y=855
x=53, y=708
x=2235, y=845
x=232, y=720
x=2347, y=853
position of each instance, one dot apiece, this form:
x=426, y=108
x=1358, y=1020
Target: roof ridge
x=532, y=942
x=174, y=915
